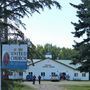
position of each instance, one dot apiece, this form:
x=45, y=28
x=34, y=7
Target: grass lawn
x=22, y=87
x=14, y=85
x=75, y=87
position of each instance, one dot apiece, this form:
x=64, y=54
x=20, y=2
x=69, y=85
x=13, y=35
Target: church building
x=48, y=68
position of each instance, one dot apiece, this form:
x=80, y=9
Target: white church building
x=46, y=68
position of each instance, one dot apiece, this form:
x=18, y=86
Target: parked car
x=29, y=78
x=55, y=78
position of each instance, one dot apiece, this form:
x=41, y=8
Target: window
x=43, y=74
x=53, y=74
x=21, y=73
x=30, y=73
x=84, y=74
x=75, y=74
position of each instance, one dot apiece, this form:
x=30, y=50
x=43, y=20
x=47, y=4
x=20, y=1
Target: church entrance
x=63, y=76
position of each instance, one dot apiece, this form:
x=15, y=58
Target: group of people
x=34, y=79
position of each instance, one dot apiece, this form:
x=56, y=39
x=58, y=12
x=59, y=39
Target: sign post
x=0, y=65
x=0, y=61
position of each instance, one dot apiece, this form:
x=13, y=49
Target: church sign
x=48, y=66
x=14, y=56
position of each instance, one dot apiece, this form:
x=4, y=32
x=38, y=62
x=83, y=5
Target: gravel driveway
x=48, y=85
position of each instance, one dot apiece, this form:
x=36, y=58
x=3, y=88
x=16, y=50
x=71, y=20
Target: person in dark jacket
x=34, y=79
x=39, y=79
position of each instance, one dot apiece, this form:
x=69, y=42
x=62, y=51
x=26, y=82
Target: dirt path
x=48, y=85
x=45, y=85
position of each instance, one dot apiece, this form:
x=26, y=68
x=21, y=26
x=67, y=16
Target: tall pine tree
x=82, y=30
x=12, y=11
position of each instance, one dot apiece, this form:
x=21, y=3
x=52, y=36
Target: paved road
x=48, y=85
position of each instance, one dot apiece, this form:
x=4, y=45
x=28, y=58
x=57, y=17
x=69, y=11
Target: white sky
x=53, y=26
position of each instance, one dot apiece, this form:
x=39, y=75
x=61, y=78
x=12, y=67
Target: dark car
x=29, y=77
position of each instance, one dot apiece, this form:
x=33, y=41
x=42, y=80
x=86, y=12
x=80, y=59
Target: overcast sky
x=53, y=26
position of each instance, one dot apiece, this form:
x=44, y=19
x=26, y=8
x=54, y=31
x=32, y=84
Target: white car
x=55, y=78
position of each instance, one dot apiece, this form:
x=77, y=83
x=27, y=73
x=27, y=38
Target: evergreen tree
x=12, y=11
x=82, y=30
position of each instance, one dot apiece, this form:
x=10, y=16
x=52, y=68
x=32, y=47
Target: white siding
x=49, y=66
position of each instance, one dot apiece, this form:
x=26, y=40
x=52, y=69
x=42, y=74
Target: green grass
x=14, y=85
x=22, y=87
x=75, y=87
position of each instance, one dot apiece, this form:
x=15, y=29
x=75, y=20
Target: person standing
x=39, y=79
x=34, y=79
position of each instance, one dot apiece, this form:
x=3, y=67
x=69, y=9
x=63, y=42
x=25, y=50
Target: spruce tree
x=12, y=11
x=82, y=30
